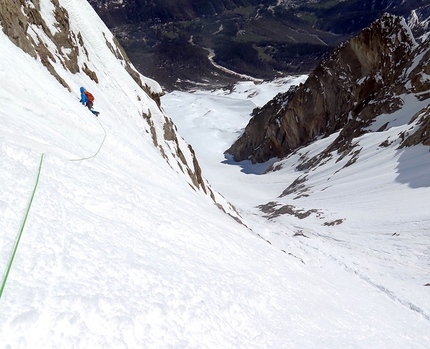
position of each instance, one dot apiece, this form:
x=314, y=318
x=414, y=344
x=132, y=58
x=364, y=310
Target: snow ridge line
x=22, y=228
x=101, y=145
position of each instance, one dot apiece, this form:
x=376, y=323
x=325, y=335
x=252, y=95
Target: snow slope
x=367, y=221
x=119, y=250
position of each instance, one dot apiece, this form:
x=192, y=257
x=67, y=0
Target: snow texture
x=120, y=252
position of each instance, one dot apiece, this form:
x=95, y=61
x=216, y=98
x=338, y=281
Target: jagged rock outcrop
x=23, y=23
x=359, y=80
x=421, y=133
x=419, y=20
x=25, y=26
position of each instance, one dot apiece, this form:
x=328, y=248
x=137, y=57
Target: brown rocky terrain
x=361, y=79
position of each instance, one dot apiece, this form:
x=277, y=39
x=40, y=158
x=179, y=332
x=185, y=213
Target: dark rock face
x=422, y=134
x=359, y=80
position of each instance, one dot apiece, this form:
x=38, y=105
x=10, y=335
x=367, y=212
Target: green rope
x=28, y=209
x=22, y=228
x=101, y=145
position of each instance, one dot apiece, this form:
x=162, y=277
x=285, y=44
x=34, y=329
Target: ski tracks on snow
x=306, y=246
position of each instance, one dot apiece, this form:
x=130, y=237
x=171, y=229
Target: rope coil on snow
x=22, y=228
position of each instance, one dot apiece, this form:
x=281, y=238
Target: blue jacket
x=84, y=98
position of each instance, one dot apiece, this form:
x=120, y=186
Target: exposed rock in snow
x=421, y=132
x=419, y=20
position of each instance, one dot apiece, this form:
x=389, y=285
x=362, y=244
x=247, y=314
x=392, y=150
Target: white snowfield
x=118, y=251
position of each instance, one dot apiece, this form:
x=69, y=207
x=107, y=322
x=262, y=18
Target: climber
x=87, y=99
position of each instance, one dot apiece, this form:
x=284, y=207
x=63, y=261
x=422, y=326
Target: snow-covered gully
x=130, y=245
x=365, y=230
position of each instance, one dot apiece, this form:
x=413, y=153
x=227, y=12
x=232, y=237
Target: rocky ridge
x=44, y=29
x=363, y=78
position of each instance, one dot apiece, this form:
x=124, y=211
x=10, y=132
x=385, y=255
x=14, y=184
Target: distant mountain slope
x=170, y=40
x=353, y=15
x=361, y=82
x=137, y=11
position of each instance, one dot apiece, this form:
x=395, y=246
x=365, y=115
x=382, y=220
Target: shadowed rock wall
x=358, y=81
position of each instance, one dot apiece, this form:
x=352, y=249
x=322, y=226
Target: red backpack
x=89, y=96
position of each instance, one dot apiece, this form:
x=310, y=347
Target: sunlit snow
x=118, y=250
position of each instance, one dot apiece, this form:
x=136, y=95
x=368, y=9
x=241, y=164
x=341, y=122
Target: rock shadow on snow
x=247, y=166
x=414, y=167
